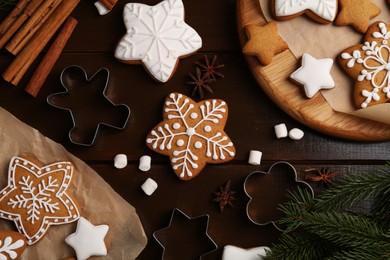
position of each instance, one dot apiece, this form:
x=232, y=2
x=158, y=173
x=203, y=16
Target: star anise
x=210, y=68
x=323, y=176
x=201, y=82
x=224, y=196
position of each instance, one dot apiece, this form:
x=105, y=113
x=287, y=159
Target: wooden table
x=250, y=125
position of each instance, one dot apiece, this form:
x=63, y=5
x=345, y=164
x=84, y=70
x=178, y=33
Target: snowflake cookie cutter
x=76, y=133
x=175, y=216
x=264, y=198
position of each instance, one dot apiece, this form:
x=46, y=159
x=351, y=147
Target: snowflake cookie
x=12, y=244
x=192, y=134
x=369, y=64
x=157, y=36
x=323, y=11
x=35, y=197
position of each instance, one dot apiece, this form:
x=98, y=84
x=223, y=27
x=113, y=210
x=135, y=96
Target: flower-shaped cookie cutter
x=180, y=229
x=90, y=97
x=265, y=198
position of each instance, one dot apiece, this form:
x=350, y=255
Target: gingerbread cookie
x=314, y=74
x=36, y=197
x=264, y=42
x=369, y=65
x=192, y=134
x=323, y=11
x=357, y=13
x=157, y=36
x=12, y=244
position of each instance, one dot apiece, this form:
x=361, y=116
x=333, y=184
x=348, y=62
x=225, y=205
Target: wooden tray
x=315, y=112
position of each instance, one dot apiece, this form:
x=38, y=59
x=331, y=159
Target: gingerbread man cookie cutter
x=82, y=100
x=264, y=199
x=177, y=219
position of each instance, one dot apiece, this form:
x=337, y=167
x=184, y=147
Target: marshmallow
x=281, y=131
x=296, y=134
x=149, y=186
x=255, y=157
x=102, y=9
x=144, y=163
x=120, y=161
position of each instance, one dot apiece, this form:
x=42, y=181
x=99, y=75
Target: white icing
x=8, y=248
x=374, y=65
x=36, y=193
x=88, y=240
x=314, y=74
x=325, y=9
x=237, y=253
x=149, y=186
x=176, y=126
x=194, y=115
x=180, y=142
x=158, y=36
x=184, y=160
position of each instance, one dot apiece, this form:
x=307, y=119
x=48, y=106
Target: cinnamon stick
x=18, y=22
x=108, y=4
x=15, y=13
x=31, y=26
x=26, y=57
x=51, y=57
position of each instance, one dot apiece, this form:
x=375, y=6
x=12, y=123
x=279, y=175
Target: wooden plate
x=315, y=112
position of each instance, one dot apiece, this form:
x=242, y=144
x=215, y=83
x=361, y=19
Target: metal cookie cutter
x=88, y=104
x=188, y=241
x=265, y=190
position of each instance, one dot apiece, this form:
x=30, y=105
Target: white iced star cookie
x=88, y=240
x=234, y=253
x=157, y=36
x=314, y=74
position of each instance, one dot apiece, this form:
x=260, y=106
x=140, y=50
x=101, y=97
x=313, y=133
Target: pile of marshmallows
x=280, y=132
x=150, y=186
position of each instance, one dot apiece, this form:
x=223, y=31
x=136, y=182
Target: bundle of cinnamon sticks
x=25, y=33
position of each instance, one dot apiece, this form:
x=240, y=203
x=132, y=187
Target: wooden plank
x=316, y=112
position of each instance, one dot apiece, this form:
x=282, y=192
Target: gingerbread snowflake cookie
x=369, y=64
x=192, y=134
x=323, y=11
x=36, y=197
x=12, y=244
x=157, y=37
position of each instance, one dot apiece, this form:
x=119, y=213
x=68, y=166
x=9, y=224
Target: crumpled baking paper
x=303, y=35
x=98, y=202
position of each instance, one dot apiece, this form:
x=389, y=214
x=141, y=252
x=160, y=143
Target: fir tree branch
x=7, y=4
x=355, y=188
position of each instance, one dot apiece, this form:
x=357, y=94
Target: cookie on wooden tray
x=264, y=42
x=192, y=134
x=36, y=197
x=322, y=11
x=12, y=244
x=369, y=65
x=357, y=13
x=157, y=37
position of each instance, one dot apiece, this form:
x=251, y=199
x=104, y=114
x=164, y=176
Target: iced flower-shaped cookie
x=36, y=198
x=323, y=11
x=157, y=36
x=369, y=64
x=192, y=134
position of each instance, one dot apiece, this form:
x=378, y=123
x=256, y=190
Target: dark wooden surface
x=250, y=125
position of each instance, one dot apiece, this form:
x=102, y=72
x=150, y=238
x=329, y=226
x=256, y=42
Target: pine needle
x=7, y=4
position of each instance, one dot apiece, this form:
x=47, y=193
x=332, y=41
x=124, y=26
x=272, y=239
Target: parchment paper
x=326, y=41
x=99, y=203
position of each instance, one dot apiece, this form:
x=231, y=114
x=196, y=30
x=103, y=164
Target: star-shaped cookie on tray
x=264, y=42
x=357, y=13
x=369, y=65
x=314, y=74
x=192, y=134
x=36, y=197
x=157, y=36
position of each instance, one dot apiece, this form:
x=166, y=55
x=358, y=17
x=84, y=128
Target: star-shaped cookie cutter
x=263, y=194
x=176, y=211
x=67, y=85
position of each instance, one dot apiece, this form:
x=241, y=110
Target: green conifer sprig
x=7, y=4
x=326, y=228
